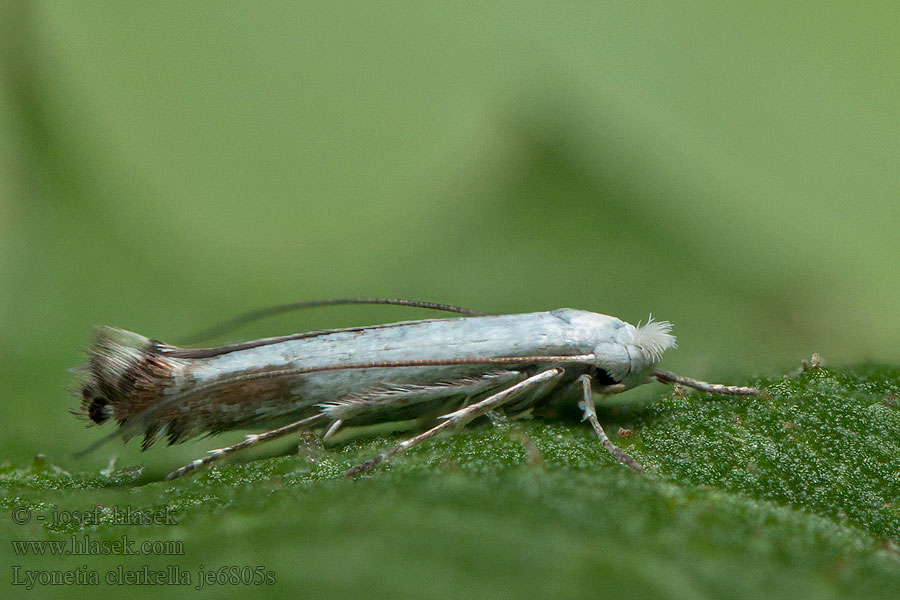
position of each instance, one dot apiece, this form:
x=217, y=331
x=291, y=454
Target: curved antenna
x=262, y=313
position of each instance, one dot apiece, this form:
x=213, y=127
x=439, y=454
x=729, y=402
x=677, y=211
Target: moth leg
x=332, y=429
x=524, y=402
x=590, y=414
x=534, y=394
x=712, y=388
x=251, y=440
x=461, y=417
x=376, y=401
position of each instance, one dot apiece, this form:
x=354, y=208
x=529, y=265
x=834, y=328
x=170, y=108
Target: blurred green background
x=168, y=165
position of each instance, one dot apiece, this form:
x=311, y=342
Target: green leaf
x=790, y=495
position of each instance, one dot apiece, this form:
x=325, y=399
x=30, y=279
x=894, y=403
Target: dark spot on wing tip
x=95, y=408
x=97, y=411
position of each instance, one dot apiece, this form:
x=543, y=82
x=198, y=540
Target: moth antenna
x=262, y=313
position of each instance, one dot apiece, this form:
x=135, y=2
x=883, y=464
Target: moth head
x=631, y=357
x=653, y=339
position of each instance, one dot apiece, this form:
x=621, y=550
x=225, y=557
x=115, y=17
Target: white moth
x=456, y=369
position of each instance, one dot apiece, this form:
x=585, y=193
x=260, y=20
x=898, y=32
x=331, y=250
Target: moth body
x=455, y=369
